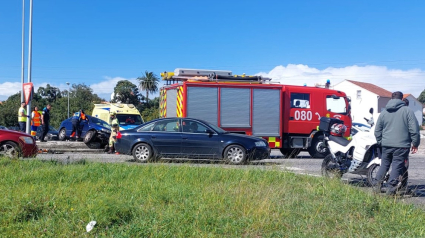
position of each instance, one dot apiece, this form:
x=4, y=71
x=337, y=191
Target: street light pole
x=68, y=97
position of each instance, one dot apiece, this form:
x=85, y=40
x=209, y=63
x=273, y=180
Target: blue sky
x=100, y=42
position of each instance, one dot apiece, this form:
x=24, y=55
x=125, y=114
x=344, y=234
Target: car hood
x=14, y=132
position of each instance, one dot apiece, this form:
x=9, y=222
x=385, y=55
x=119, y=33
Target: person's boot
x=111, y=150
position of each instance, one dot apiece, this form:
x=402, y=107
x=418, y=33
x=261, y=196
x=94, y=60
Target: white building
x=366, y=95
x=416, y=106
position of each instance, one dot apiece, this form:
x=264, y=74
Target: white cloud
x=9, y=88
x=104, y=89
x=107, y=86
x=407, y=81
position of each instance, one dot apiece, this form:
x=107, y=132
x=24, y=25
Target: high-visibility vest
x=36, y=118
x=22, y=118
x=115, y=123
x=83, y=116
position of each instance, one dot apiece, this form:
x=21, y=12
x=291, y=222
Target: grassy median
x=49, y=199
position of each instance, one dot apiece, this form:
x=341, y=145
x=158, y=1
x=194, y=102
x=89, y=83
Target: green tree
x=9, y=110
x=126, y=92
x=421, y=97
x=50, y=93
x=150, y=111
x=149, y=83
x=81, y=97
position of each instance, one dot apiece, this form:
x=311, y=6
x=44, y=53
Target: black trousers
x=398, y=158
x=45, y=128
x=76, y=128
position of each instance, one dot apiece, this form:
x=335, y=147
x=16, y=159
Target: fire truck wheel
x=318, y=148
x=235, y=154
x=289, y=152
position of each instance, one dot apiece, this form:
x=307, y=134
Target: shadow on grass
x=297, y=157
x=413, y=190
x=206, y=161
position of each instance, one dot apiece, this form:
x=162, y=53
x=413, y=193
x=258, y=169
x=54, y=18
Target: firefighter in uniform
x=115, y=128
x=35, y=121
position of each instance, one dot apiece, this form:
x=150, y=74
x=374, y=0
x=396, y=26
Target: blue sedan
x=189, y=138
x=92, y=130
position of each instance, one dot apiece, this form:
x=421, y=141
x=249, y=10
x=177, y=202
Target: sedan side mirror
x=209, y=131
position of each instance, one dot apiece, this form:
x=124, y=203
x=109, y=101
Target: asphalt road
x=304, y=164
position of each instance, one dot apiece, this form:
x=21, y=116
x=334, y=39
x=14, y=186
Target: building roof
x=373, y=88
x=406, y=95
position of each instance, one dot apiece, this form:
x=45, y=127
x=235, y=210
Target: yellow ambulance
x=127, y=114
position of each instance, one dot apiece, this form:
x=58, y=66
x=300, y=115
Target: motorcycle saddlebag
x=327, y=122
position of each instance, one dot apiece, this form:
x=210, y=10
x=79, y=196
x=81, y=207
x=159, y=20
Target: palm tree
x=149, y=83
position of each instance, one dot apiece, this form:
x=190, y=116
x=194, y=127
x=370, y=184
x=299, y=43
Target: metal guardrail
x=60, y=147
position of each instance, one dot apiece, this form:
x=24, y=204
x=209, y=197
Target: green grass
x=49, y=199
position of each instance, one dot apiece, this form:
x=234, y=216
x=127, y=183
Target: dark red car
x=17, y=144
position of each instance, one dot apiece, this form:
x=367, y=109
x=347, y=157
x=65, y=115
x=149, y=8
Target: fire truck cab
x=286, y=116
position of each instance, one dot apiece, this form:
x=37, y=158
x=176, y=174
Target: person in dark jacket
x=397, y=131
x=76, y=128
x=45, y=121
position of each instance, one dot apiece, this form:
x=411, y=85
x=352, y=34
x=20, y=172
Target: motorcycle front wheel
x=330, y=168
x=372, y=171
x=371, y=174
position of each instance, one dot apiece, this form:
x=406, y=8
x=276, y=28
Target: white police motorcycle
x=360, y=155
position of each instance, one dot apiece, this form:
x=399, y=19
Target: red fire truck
x=286, y=116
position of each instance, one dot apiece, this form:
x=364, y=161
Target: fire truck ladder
x=200, y=75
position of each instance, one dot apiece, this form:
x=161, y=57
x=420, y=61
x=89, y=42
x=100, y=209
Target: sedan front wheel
x=235, y=154
x=62, y=134
x=142, y=153
x=10, y=149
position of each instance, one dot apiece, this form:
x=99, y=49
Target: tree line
x=81, y=96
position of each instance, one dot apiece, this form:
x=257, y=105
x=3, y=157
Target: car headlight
x=27, y=140
x=260, y=144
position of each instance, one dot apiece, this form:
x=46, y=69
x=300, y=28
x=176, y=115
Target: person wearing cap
x=22, y=117
x=114, y=132
x=397, y=131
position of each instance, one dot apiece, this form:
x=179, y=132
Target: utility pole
x=23, y=52
x=29, y=69
x=68, y=98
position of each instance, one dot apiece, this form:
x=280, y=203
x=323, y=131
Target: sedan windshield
x=336, y=105
x=217, y=129
x=129, y=119
x=99, y=122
